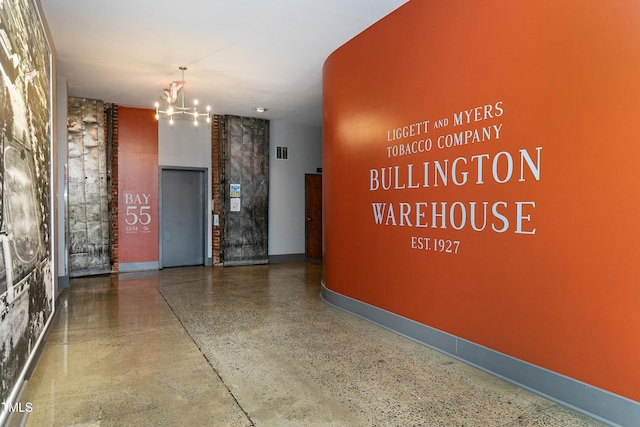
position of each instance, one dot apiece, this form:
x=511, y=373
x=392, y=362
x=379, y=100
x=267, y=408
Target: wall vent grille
x=282, y=153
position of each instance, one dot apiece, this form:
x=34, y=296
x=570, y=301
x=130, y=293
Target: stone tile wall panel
x=89, y=237
x=246, y=162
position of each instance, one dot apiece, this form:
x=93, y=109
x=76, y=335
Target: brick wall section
x=112, y=146
x=217, y=124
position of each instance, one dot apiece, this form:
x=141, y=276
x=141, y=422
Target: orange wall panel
x=529, y=107
x=138, y=185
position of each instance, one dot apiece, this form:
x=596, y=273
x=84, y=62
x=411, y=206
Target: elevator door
x=182, y=217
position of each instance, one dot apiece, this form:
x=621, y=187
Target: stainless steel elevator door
x=182, y=217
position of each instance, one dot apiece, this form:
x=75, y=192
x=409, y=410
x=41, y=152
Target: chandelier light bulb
x=175, y=108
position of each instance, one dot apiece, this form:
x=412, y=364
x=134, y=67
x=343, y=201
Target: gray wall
x=188, y=146
x=287, y=184
x=60, y=166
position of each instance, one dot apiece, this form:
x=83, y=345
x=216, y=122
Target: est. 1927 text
x=435, y=245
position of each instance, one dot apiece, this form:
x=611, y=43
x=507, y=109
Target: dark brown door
x=313, y=187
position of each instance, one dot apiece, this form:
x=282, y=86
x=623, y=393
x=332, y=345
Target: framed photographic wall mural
x=26, y=279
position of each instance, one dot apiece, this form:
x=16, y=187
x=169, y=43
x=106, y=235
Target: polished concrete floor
x=252, y=346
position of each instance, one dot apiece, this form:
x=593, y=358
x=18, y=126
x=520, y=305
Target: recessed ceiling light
x=261, y=109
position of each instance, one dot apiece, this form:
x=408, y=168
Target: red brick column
x=112, y=143
x=216, y=172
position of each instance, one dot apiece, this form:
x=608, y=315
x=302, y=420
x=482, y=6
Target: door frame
x=203, y=193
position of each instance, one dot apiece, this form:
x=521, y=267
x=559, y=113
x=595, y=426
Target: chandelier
x=174, y=111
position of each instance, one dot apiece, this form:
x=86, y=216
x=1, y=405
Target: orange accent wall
x=553, y=277
x=138, y=185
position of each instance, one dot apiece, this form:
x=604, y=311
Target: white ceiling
x=240, y=53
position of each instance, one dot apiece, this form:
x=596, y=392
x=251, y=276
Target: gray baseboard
x=21, y=409
x=600, y=404
x=127, y=267
x=244, y=263
x=63, y=282
x=275, y=259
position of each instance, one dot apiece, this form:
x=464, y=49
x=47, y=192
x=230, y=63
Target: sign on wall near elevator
x=235, y=197
x=138, y=212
